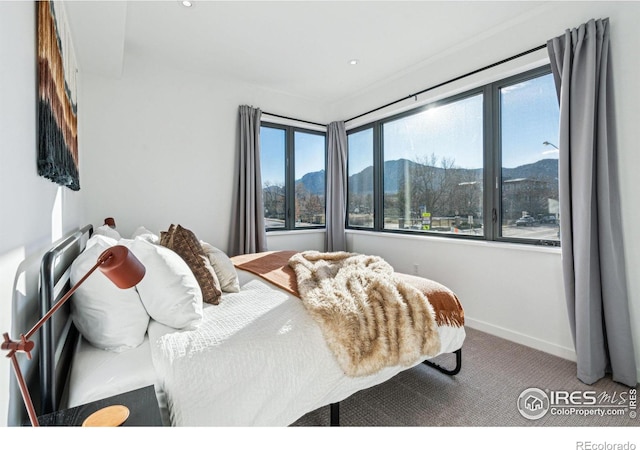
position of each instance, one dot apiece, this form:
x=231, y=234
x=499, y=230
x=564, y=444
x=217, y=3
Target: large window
x=480, y=165
x=293, y=177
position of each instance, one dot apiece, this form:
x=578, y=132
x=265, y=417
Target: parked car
x=526, y=221
x=548, y=219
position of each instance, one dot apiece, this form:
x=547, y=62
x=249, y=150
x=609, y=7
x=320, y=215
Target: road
x=545, y=232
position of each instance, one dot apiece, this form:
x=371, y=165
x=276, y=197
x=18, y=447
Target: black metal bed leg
x=335, y=414
x=453, y=371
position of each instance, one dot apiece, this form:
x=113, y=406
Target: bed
x=258, y=357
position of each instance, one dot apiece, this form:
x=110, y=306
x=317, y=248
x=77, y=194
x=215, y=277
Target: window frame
x=435, y=104
x=376, y=185
x=492, y=163
x=289, y=175
x=497, y=156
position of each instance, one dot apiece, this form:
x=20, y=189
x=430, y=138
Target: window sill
x=461, y=241
x=298, y=231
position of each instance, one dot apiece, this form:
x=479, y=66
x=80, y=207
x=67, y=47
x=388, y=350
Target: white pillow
x=145, y=234
x=106, y=230
x=101, y=239
x=222, y=265
x=108, y=317
x=169, y=290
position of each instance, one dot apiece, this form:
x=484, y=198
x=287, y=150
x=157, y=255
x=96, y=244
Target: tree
x=427, y=186
x=309, y=207
x=273, y=198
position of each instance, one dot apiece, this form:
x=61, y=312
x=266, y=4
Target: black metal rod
x=511, y=58
x=291, y=118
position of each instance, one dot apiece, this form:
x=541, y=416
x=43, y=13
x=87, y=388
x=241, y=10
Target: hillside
x=362, y=182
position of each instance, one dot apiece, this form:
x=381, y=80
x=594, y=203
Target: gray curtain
x=335, y=239
x=248, y=234
x=591, y=228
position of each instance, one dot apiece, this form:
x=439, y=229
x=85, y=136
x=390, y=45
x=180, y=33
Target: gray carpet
x=484, y=394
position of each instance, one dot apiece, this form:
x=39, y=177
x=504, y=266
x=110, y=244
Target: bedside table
x=142, y=404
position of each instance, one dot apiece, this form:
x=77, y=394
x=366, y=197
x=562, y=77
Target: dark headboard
x=58, y=336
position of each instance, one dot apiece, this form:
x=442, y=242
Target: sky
x=454, y=131
x=530, y=117
x=272, y=142
x=272, y=145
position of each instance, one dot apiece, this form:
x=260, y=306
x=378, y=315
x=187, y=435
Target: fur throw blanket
x=370, y=318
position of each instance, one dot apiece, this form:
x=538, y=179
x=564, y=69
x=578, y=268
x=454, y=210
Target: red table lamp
x=119, y=265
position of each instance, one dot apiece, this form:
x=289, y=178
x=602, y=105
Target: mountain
x=545, y=168
x=394, y=172
x=313, y=182
x=362, y=182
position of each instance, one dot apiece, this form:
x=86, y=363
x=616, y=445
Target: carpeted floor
x=484, y=394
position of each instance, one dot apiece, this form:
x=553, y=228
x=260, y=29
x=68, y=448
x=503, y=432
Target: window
x=529, y=116
x=272, y=166
x=433, y=168
x=360, y=173
x=293, y=164
x=480, y=165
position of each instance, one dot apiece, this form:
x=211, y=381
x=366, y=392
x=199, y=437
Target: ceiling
x=301, y=48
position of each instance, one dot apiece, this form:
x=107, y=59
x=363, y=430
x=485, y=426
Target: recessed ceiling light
x=353, y=62
x=186, y=3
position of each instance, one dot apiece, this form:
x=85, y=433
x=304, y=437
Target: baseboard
x=519, y=338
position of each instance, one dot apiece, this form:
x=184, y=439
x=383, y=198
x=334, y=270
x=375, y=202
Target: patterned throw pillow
x=187, y=245
x=166, y=235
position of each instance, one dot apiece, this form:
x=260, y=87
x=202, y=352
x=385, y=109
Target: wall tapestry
x=57, y=108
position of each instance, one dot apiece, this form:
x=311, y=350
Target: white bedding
x=258, y=359
x=97, y=374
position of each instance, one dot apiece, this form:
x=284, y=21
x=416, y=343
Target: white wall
x=162, y=146
x=512, y=291
x=516, y=291
x=35, y=211
x=299, y=240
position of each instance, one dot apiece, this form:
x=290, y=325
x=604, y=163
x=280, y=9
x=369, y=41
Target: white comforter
x=258, y=359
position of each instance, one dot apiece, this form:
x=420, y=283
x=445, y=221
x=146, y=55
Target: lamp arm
x=26, y=397
x=26, y=345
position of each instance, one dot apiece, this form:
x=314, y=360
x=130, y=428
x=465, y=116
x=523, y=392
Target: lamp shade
x=121, y=267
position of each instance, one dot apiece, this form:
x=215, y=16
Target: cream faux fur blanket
x=370, y=318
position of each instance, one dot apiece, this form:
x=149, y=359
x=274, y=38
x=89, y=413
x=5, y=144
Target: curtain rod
x=540, y=47
x=291, y=118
